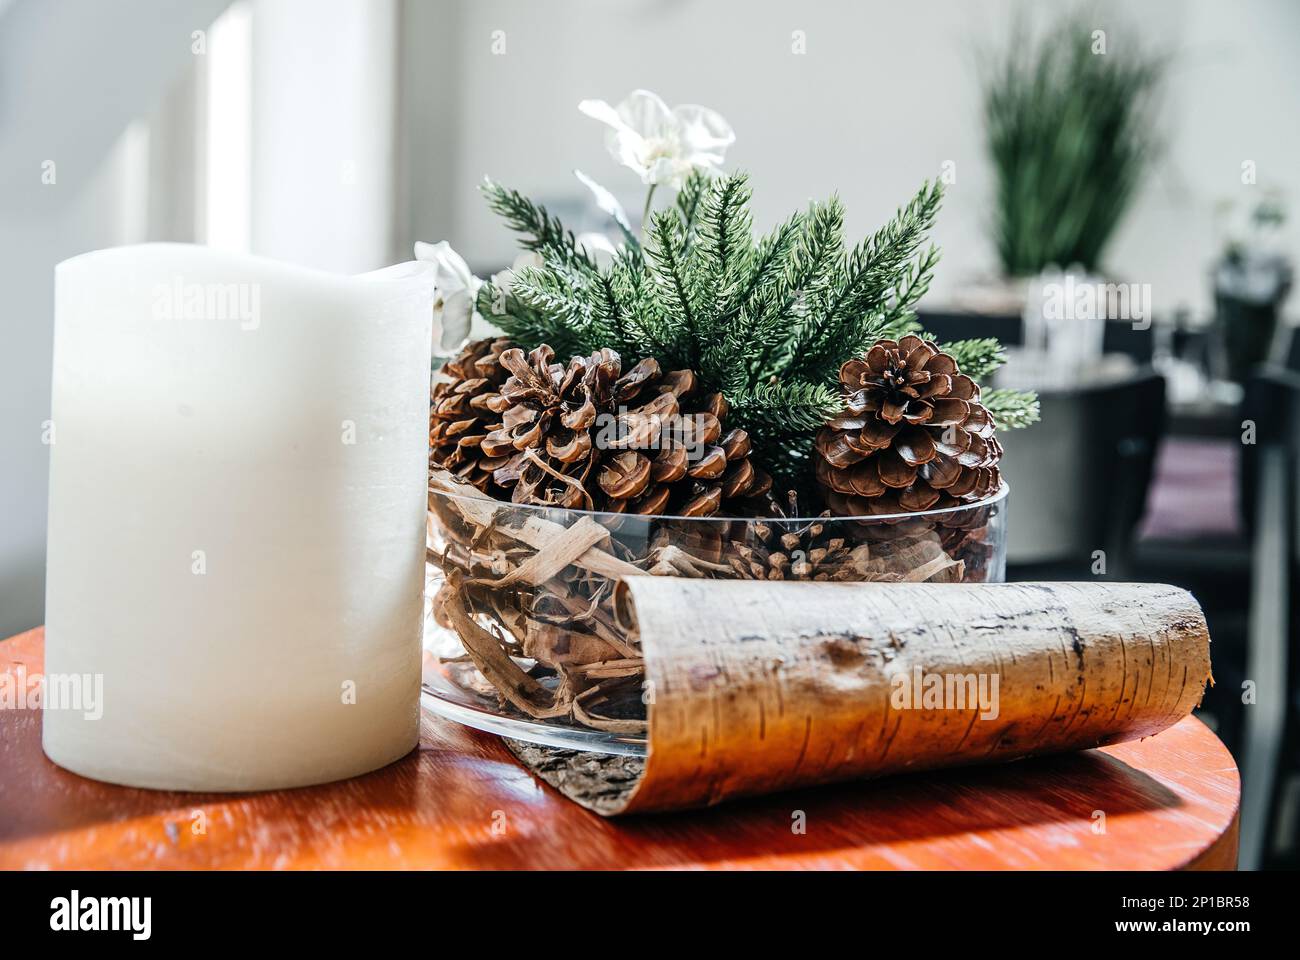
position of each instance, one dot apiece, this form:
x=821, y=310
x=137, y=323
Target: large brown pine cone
x=465, y=403
x=586, y=435
x=913, y=434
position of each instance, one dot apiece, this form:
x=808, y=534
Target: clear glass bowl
x=525, y=641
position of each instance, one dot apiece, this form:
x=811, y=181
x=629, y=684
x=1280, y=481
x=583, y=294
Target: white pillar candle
x=238, y=479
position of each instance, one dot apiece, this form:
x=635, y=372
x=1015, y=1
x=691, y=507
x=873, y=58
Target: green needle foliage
x=766, y=321
x=976, y=358
x=1070, y=132
x=1011, y=409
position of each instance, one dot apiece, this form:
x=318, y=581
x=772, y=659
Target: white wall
x=324, y=78
x=883, y=96
x=30, y=247
x=73, y=76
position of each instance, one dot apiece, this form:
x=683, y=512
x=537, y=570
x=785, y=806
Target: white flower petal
x=628, y=149
x=602, y=111
x=453, y=272
x=705, y=134
x=669, y=171
x=605, y=200
x=440, y=253
x=623, y=143
x=482, y=329
x=705, y=126
x=452, y=326
x=646, y=114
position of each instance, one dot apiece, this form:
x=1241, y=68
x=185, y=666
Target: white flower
x=456, y=290
x=660, y=144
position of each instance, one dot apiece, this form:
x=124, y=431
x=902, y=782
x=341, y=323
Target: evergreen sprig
x=539, y=230
x=976, y=358
x=767, y=322
x=1011, y=409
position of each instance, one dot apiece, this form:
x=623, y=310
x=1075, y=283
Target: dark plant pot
x=1247, y=330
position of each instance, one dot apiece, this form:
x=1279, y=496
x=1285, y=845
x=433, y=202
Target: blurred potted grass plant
x=1070, y=133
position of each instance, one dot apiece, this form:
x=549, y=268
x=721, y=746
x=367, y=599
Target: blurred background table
x=461, y=801
x=1150, y=464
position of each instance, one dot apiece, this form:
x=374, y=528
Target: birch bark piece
x=756, y=686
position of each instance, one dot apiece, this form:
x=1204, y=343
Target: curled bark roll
x=768, y=686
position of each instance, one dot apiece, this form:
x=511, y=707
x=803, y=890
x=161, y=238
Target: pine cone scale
x=943, y=472
x=916, y=447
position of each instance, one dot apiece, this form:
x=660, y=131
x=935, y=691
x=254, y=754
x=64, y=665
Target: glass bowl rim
x=1001, y=494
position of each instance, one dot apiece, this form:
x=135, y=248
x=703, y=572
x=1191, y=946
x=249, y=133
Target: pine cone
x=913, y=434
x=786, y=553
x=776, y=548
x=571, y=436
x=465, y=403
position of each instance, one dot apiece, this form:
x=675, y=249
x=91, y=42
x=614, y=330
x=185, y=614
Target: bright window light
x=229, y=124
x=135, y=182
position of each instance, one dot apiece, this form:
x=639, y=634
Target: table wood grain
x=461, y=801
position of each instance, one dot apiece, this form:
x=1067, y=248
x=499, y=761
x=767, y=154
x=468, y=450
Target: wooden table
x=460, y=800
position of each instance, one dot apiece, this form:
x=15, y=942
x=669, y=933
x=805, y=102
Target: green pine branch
x=538, y=230
x=880, y=263
x=541, y=308
x=675, y=286
x=782, y=419
x=723, y=254
x=912, y=285
x=687, y=204
x=1011, y=409
x=800, y=295
x=976, y=358
x=871, y=295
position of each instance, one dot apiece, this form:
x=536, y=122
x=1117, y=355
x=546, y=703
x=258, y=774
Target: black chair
x=1005, y=328
x=1291, y=355
x=1270, y=755
x=1079, y=479
x=1121, y=336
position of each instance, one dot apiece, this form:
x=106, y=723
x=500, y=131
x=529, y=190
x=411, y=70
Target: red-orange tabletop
x=461, y=801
